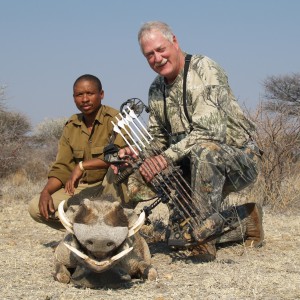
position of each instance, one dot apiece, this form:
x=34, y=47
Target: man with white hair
x=200, y=126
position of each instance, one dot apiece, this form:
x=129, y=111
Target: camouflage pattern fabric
x=215, y=113
x=222, y=154
x=137, y=189
x=217, y=170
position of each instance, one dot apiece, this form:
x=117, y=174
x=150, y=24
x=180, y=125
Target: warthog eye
x=109, y=244
x=89, y=242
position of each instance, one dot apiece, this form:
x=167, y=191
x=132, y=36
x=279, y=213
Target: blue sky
x=46, y=45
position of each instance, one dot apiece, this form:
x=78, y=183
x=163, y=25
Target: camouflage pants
x=217, y=170
x=213, y=171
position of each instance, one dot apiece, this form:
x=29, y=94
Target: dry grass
x=18, y=187
x=271, y=272
x=285, y=197
x=278, y=135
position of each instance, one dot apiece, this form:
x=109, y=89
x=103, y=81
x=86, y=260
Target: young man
x=84, y=137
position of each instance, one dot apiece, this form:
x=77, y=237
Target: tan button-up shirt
x=77, y=144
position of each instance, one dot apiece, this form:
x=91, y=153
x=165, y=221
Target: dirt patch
x=271, y=272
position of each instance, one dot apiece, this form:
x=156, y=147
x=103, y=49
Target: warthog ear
x=116, y=216
x=86, y=213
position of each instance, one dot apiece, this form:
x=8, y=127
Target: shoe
x=254, y=234
x=203, y=252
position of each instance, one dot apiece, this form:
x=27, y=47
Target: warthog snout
x=100, y=239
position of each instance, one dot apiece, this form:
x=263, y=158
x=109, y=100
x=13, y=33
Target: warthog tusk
x=63, y=217
x=137, y=225
x=103, y=264
x=76, y=251
x=121, y=254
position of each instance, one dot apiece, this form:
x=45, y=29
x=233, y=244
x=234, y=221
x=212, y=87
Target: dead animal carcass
x=102, y=246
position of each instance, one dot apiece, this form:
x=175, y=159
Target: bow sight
x=135, y=104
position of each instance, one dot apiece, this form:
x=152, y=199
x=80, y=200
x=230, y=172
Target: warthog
x=102, y=246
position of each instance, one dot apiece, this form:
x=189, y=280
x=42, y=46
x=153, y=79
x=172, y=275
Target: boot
x=247, y=228
x=254, y=235
x=203, y=252
x=211, y=226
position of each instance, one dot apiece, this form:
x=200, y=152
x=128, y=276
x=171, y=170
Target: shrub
x=44, y=143
x=49, y=130
x=278, y=136
x=13, y=129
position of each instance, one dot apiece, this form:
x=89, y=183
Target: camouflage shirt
x=77, y=144
x=211, y=105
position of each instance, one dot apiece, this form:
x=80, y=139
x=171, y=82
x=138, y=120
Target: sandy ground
x=271, y=272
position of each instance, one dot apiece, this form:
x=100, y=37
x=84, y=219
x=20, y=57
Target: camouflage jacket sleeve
x=215, y=113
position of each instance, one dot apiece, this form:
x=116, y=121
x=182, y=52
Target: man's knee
x=33, y=208
x=34, y=212
x=203, y=149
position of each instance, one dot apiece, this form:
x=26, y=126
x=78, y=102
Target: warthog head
x=101, y=232
x=102, y=246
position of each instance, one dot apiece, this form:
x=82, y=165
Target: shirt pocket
x=97, y=152
x=78, y=155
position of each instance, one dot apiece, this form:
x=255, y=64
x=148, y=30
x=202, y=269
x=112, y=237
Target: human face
x=87, y=97
x=164, y=57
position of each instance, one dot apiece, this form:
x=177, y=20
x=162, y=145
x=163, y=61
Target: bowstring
x=170, y=184
x=159, y=178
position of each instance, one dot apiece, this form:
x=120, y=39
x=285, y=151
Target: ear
x=102, y=94
x=85, y=202
x=116, y=216
x=84, y=214
x=175, y=42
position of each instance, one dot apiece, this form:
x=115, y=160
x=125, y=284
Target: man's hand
x=128, y=155
x=46, y=205
x=73, y=181
x=152, y=166
x=149, y=168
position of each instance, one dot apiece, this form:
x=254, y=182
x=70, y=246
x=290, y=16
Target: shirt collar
x=102, y=112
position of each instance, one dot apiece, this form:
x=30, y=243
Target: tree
x=283, y=94
x=278, y=134
x=23, y=150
